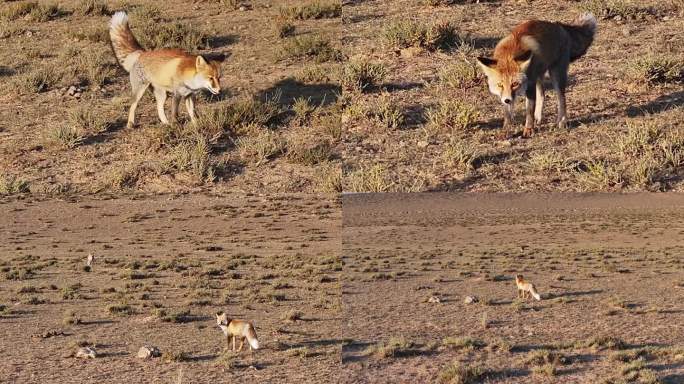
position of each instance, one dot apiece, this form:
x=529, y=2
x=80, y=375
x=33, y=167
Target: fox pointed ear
x=200, y=62
x=486, y=62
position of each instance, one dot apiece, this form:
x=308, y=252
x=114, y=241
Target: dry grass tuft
x=360, y=75
x=406, y=34
x=456, y=373
x=309, y=47
x=314, y=10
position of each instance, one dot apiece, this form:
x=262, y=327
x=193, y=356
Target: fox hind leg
x=160, y=95
x=139, y=89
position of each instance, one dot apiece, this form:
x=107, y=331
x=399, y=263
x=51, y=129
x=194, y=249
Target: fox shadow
x=289, y=89
x=661, y=104
x=483, y=42
x=6, y=71
x=223, y=40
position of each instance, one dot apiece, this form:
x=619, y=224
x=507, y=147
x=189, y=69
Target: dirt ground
x=163, y=267
x=608, y=98
x=41, y=60
x=605, y=265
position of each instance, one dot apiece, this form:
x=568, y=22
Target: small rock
x=423, y=144
x=626, y=31
x=72, y=90
x=617, y=18
x=90, y=259
x=77, y=95
x=86, y=353
x=470, y=299
x=434, y=299
x=242, y=8
x=148, y=352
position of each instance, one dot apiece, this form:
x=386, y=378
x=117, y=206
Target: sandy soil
x=258, y=258
x=604, y=265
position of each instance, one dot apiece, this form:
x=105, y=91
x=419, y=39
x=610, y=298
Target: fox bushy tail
x=126, y=47
x=534, y=293
x=252, y=338
x=582, y=32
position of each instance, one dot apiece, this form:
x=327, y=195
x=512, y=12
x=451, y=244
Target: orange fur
x=167, y=70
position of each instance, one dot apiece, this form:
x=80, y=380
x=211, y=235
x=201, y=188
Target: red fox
x=521, y=60
x=526, y=288
x=240, y=328
x=167, y=70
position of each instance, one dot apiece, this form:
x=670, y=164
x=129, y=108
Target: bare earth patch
x=608, y=269
x=163, y=266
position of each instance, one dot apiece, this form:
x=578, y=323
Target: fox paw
x=562, y=124
x=527, y=132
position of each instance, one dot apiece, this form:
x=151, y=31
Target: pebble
x=434, y=299
x=148, y=352
x=86, y=353
x=470, y=299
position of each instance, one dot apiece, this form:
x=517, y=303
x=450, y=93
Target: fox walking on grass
x=525, y=288
x=240, y=328
x=521, y=60
x=168, y=71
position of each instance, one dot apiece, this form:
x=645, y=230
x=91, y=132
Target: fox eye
x=515, y=85
x=500, y=85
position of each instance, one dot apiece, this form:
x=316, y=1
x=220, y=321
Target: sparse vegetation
x=405, y=34
x=309, y=47
x=314, y=10
x=12, y=185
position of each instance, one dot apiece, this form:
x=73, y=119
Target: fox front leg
x=242, y=343
x=530, y=103
x=190, y=106
x=233, y=349
x=160, y=95
x=508, y=117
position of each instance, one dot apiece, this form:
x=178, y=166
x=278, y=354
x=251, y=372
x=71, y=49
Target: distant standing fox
x=167, y=70
x=240, y=328
x=521, y=59
x=526, y=288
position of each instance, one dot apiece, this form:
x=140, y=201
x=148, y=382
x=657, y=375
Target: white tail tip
x=119, y=18
x=254, y=343
x=536, y=296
